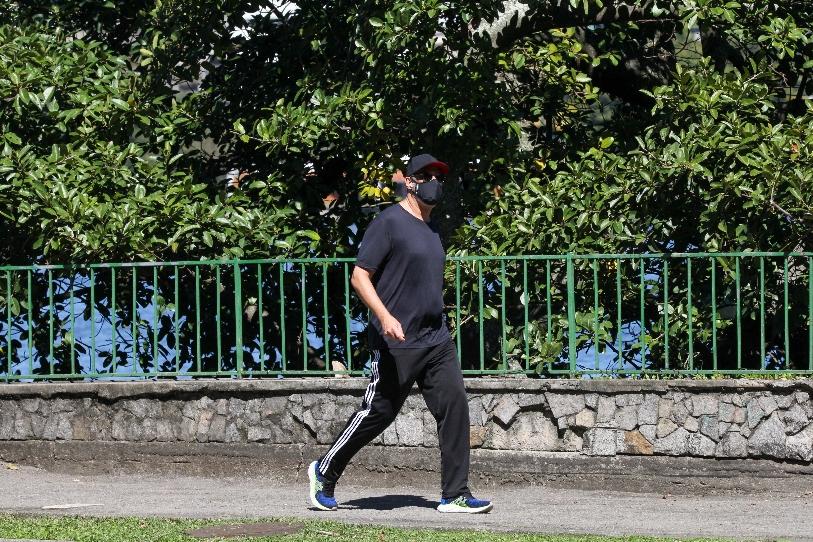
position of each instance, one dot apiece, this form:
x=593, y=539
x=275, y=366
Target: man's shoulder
x=388, y=215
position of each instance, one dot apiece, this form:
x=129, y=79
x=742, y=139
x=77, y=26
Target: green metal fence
x=621, y=315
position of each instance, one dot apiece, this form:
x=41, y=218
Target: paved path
x=781, y=514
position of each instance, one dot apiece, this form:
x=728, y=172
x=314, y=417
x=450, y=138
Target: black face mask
x=429, y=192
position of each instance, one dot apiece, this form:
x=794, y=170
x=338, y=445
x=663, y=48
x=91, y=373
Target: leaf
x=12, y=138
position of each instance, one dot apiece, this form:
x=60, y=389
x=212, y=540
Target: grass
x=88, y=529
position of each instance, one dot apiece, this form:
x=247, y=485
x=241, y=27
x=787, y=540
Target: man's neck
x=411, y=204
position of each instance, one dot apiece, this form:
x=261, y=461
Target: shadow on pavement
x=389, y=502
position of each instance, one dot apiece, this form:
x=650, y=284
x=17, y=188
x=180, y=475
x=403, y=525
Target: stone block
x=309, y=422
x=409, y=429
x=665, y=406
x=572, y=442
x=784, y=401
x=237, y=407
x=600, y=441
x=530, y=400
x=477, y=436
x=187, y=431
x=665, y=427
x=204, y=420
x=190, y=410
x=38, y=427
x=164, y=431
x=430, y=430
x=676, y=443
x=768, y=439
x=705, y=404
x=149, y=430
x=259, y=434
x=648, y=410
x=505, y=410
x=795, y=419
x=217, y=428
x=30, y=405
x=648, y=431
x=390, y=437
x=755, y=412
x=768, y=404
x=626, y=417
x=591, y=400
x=564, y=404
x=800, y=445
x=629, y=399
x=121, y=420
x=64, y=405
x=710, y=427
x=477, y=414
x=605, y=413
x=680, y=412
x=586, y=418
x=700, y=445
x=309, y=400
x=691, y=424
x=274, y=406
x=801, y=397
x=635, y=443
x=731, y=445
x=530, y=431
x=726, y=412
x=233, y=434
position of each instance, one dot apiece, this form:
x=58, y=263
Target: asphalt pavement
x=784, y=513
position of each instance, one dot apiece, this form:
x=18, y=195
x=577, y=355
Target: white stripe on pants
x=348, y=432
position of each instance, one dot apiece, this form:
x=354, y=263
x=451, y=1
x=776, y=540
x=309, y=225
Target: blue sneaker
x=321, y=491
x=465, y=504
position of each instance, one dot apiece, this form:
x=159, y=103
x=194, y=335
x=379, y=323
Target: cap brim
x=443, y=167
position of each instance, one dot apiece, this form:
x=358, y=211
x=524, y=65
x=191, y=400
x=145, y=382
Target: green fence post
x=238, y=318
x=571, y=315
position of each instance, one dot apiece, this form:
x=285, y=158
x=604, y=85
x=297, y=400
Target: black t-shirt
x=407, y=260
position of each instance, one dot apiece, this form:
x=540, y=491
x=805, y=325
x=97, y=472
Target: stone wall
x=709, y=418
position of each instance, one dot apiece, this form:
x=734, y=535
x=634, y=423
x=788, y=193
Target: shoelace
x=324, y=487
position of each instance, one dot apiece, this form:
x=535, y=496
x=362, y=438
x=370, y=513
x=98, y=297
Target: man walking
x=399, y=276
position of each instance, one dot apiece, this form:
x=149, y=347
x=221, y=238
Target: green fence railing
x=545, y=315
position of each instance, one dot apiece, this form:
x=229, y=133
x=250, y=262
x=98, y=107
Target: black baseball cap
x=421, y=161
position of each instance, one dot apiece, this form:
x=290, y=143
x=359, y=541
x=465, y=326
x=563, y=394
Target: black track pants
x=439, y=379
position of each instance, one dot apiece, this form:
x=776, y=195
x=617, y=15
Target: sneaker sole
x=312, y=493
x=454, y=509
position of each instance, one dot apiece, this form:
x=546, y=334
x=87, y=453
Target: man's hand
x=392, y=328
x=362, y=282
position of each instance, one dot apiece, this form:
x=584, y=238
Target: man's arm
x=363, y=284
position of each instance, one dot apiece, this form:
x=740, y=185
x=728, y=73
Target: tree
x=580, y=127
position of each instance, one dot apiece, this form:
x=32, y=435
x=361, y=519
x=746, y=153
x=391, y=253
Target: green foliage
x=580, y=128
